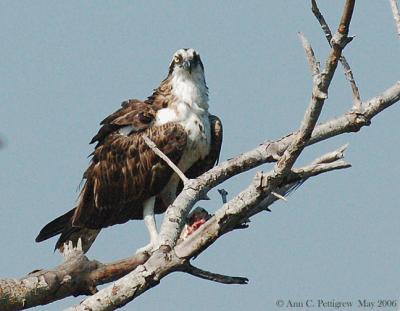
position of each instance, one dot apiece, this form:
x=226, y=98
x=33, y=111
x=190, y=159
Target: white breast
x=196, y=123
x=190, y=109
x=198, y=130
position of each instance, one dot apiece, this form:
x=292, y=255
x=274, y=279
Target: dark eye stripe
x=178, y=58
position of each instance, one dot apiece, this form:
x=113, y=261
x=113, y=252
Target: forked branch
x=347, y=70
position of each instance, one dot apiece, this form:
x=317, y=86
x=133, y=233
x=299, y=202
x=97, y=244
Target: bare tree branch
x=215, y=277
x=347, y=70
x=312, y=61
x=331, y=161
x=396, y=14
x=76, y=276
x=320, y=89
x=223, y=194
x=224, y=221
x=278, y=196
x=171, y=164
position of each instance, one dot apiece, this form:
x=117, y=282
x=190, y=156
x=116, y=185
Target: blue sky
x=67, y=65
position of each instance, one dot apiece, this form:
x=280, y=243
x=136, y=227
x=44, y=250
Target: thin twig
x=331, y=156
x=339, y=40
x=210, y=276
x=278, y=196
x=171, y=164
x=357, y=103
x=223, y=194
x=317, y=169
x=396, y=14
x=312, y=62
x=347, y=70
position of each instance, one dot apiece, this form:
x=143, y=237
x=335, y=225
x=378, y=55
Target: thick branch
x=76, y=276
x=239, y=208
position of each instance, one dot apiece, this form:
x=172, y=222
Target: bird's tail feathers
x=55, y=226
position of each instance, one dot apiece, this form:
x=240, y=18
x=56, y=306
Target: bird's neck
x=190, y=89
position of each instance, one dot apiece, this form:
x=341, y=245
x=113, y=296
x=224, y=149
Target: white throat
x=191, y=98
x=190, y=109
x=190, y=89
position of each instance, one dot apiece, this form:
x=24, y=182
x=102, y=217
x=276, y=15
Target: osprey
x=126, y=179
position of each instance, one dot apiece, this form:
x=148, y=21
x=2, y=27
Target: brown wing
x=204, y=165
x=124, y=173
x=133, y=113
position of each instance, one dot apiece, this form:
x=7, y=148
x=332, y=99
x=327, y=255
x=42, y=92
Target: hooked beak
x=187, y=65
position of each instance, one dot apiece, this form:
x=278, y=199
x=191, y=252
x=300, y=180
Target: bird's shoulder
x=133, y=116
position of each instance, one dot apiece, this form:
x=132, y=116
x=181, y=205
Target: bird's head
x=186, y=61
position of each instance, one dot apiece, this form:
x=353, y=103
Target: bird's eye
x=177, y=59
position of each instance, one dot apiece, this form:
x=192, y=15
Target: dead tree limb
x=396, y=14
x=347, y=70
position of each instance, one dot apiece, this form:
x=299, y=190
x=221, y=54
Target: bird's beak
x=187, y=65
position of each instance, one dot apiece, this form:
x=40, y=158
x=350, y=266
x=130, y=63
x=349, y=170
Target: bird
x=126, y=179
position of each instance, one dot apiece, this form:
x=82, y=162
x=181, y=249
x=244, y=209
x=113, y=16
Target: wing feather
x=124, y=173
x=134, y=113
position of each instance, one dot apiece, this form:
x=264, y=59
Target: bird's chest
x=195, y=122
x=198, y=132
